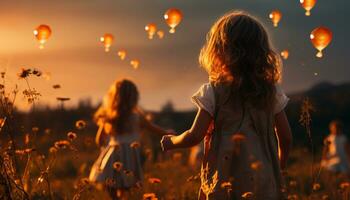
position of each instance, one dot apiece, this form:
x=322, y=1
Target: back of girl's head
x=238, y=51
x=119, y=103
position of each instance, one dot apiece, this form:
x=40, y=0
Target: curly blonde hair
x=238, y=51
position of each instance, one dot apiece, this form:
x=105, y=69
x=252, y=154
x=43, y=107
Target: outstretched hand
x=166, y=142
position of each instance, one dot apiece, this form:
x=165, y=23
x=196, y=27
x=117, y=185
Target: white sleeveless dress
x=125, y=150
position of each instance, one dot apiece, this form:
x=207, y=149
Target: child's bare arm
x=192, y=136
x=152, y=127
x=284, y=134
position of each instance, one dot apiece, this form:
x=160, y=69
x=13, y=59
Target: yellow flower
x=316, y=186
x=35, y=129
x=62, y=144
x=135, y=145
x=80, y=124
x=118, y=166
x=149, y=196
x=247, y=195
x=71, y=136
x=257, y=165
x=154, y=180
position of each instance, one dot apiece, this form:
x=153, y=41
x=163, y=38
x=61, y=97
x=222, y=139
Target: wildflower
x=292, y=183
x=53, y=150
x=135, y=145
x=325, y=197
x=62, y=144
x=154, y=180
x=85, y=181
x=80, y=124
x=149, y=196
x=29, y=150
x=3, y=74
x=128, y=173
x=71, y=136
x=47, y=131
x=257, y=165
x=316, y=186
x=36, y=72
x=35, y=129
x=57, y=86
x=226, y=185
x=20, y=152
x=344, y=185
x=118, y=166
x=2, y=86
x=247, y=195
x=239, y=137
x=24, y=73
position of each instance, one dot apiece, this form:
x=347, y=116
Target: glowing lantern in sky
x=308, y=5
x=173, y=17
x=151, y=29
x=135, y=64
x=320, y=38
x=275, y=17
x=107, y=41
x=160, y=34
x=42, y=34
x=122, y=54
x=285, y=54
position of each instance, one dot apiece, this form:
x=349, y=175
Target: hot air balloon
x=122, y=54
x=173, y=17
x=320, y=38
x=107, y=40
x=135, y=63
x=285, y=54
x=160, y=34
x=151, y=29
x=42, y=34
x=308, y=5
x=275, y=17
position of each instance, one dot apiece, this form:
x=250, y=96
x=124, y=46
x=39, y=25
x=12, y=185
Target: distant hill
x=331, y=101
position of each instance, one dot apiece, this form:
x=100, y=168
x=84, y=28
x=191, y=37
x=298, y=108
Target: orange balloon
x=275, y=17
x=122, y=54
x=160, y=34
x=107, y=40
x=320, y=38
x=42, y=33
x=173, y=17
x=285, y=54
x=151, y=29
x=135, y=63
x=308, y=5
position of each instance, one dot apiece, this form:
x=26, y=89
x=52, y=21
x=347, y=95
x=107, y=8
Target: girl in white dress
x=336, y=158
x=119, y=165
x=240, y=114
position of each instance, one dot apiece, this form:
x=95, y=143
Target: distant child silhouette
x=336, y=156
x=120, y=120
x=240, y=113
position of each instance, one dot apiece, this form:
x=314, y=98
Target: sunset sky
x=169, y=68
